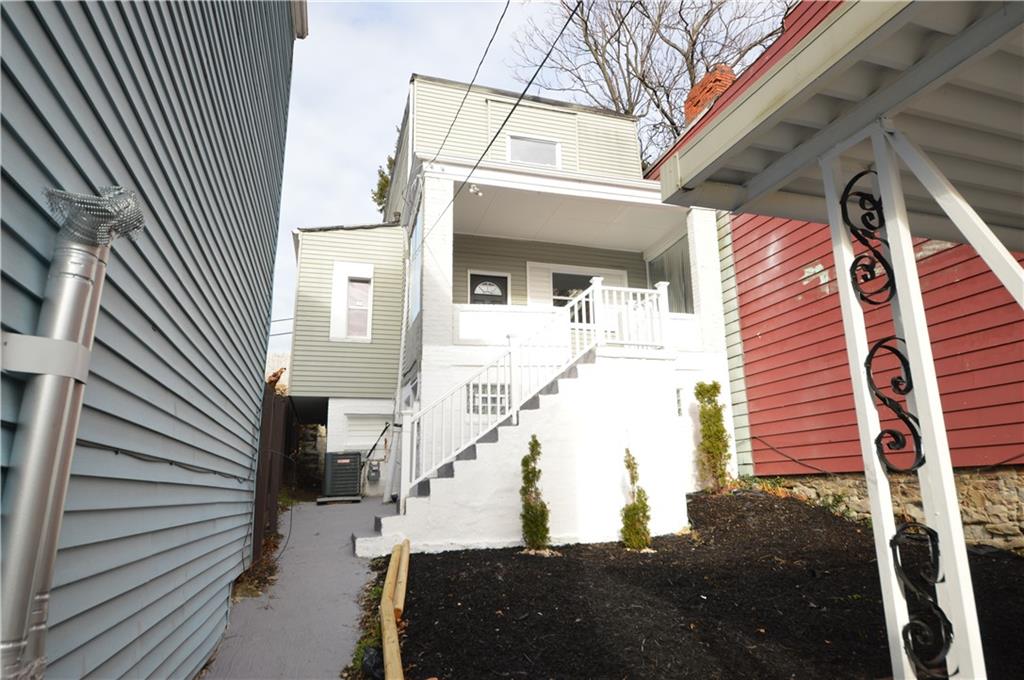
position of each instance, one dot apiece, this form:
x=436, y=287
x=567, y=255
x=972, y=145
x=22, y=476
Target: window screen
x=534, y=151
x=673, y=266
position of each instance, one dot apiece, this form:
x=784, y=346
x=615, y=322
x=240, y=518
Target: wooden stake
x=388, y=622
x=402, y=580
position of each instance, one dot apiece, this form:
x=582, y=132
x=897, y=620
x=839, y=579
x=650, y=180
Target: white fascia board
x=790, y=205
x=530, y=179
x=829, y=45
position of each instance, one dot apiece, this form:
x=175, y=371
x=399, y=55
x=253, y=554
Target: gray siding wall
x=186, y=103
x=593, y=144
x=325, y=368
x=734, y=346
x=508, y=255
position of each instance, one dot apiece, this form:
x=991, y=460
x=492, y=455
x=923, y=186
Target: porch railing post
x=406, y=471
x=515, y=378
x=597, y=287
x=663, y=322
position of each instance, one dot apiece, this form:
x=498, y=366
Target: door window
x=488, y=289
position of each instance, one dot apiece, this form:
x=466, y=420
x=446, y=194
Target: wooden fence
x=278, y=440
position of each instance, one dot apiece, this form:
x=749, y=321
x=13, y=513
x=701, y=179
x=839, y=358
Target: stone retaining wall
x=991, y=500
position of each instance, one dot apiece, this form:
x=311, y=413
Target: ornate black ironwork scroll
x=871, y=287
x=928, y=635
x=890, y=439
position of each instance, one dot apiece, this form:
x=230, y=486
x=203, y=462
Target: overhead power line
x=522, y=94
x=465, y=95
x=471, y=82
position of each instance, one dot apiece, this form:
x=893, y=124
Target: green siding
x=734, y=346
x=324, y=368
x=510, y=256
x=593, y=144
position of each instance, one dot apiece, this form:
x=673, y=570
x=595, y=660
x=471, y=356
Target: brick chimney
x=704, y=93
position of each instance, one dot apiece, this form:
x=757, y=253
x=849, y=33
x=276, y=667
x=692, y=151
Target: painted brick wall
x=797, y=377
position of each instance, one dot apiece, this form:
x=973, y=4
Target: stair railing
x=435, y=435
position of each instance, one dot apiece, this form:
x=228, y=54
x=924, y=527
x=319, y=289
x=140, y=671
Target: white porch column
x=706, y=277
x=437, y=309
x=938, y=488
x=883, y=525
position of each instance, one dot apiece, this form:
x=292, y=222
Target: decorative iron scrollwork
x=871, y=287
x=928, y=635
x=890, y=439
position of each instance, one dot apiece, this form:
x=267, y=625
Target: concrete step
x=446, y=471
x=468, y=453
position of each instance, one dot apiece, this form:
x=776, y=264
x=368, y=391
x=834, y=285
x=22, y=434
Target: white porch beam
x=883, y=525
x=938, y=488
x=977, y=40
x=974, y=229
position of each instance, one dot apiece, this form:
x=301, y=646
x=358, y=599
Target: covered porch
x=886, y=122
x=523, y=246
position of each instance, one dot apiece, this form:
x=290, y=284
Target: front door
x=488, y=289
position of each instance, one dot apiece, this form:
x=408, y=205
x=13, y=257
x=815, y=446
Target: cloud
x=350, y=81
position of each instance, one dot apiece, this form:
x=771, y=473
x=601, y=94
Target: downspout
x=394, y=462
x=57, y=360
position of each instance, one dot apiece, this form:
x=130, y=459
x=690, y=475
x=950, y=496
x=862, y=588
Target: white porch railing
x=436, y=434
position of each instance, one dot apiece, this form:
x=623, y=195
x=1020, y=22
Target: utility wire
x=470, y=87
x=522, y=94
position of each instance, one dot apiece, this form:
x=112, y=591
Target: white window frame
x=343, y=273
x=481, y=272
x=534, y=138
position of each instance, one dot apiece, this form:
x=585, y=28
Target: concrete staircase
x=584, y=420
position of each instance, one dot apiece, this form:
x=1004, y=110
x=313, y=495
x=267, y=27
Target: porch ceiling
x=573, y=220
x=951, y=77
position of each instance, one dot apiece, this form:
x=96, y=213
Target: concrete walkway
x=307, y=625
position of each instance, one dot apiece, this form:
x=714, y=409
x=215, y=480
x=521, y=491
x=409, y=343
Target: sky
x=350, y=80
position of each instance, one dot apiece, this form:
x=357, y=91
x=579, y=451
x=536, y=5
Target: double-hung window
x=352, y=302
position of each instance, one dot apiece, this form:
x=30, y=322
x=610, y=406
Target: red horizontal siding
x=797, y=377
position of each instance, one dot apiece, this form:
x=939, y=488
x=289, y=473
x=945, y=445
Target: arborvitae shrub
x=714, y=440
x=636, y=514
x=535, y=511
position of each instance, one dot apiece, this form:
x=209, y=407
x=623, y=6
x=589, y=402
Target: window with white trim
x=487, y=398
x=533, y=151
x=352, y=302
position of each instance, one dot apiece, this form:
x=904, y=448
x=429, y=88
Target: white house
x=550, y=294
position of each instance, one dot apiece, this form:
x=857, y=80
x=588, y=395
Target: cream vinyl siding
x=325, y=368
x=480, y=253
x=734, y=346
x=591, y=143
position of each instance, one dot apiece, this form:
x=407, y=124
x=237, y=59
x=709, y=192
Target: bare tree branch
x=647, y=68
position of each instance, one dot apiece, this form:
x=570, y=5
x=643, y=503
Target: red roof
x=800, y=21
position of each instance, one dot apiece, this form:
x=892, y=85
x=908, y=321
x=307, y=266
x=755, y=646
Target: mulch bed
x=766, y=587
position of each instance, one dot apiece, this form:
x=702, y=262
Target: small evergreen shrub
x=636, y=514
x=714, y=440
x=535, y=511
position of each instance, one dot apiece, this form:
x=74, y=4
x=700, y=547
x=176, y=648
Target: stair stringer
x=584, y=429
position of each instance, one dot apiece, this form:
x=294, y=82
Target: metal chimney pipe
x=51, y=405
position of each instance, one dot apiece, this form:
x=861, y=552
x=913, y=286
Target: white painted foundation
x=342, y=434
x=584, y=430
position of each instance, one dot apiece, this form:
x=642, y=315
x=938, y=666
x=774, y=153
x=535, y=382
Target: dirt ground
x=763, y=588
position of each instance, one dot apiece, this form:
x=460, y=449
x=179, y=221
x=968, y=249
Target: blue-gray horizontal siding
x=186, y=103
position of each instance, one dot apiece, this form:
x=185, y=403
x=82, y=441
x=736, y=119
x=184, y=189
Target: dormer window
x=533, y=151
